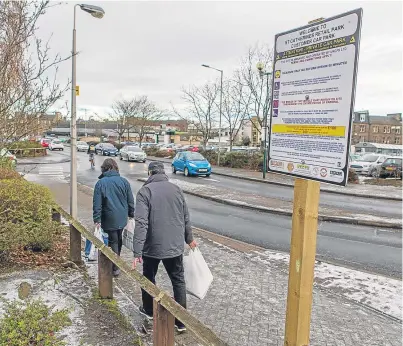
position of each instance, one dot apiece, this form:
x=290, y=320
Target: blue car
x=191, y=163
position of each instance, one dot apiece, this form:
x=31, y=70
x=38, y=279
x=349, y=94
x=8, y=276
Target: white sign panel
x=313, y=91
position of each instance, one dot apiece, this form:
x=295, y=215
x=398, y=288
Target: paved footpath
x=247, y=301
x=362, y=190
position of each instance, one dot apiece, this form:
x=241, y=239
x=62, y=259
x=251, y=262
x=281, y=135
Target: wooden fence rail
x=165, y=308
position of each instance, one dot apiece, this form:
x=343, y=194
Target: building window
x=362, y=128
x=386, y=129
x=397, y=140
x=376, y=129
x=362, y=139
x=362, y=118
x=388, y=140
x=398, y=130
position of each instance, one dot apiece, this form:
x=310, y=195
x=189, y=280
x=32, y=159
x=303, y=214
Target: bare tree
x=256, y=96
x=28, y=74
x=121, y=110
x=144, y=115
x=201, y=110
x=235, y=107
x=136, y=114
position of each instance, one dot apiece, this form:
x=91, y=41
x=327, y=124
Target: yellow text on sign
x=311, y=130
x=77, y=90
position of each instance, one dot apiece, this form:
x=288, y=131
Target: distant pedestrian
x=113, y=203
x=162, y=228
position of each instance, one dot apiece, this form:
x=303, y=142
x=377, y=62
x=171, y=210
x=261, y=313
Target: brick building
x=376, y=128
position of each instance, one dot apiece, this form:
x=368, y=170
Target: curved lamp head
x=93, y=10
x=204, y=65
x=260, y=66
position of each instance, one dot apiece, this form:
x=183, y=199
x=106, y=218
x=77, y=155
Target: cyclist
x=91, y=153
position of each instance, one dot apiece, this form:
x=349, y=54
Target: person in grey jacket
x=113, y=203
x=162, y=228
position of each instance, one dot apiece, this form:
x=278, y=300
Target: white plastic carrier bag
x=128, y=234
x=99, y=233
x=198, y=276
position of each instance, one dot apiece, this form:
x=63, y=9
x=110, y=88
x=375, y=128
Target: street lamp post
x=219, y=125
x=260, y=67
x=96, y=12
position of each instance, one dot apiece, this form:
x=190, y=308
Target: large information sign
x=313, y=91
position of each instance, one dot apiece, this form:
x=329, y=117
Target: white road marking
x=56, y=171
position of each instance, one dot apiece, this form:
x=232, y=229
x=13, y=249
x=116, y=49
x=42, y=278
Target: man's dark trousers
x=115, y=243
x=174, y=268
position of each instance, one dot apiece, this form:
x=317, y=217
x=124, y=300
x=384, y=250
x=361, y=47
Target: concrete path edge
x=338, y=219
x=362, y=195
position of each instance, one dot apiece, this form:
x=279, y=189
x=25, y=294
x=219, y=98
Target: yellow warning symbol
x=352, y=39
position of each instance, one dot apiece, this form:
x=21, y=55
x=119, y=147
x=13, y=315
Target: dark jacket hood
x=109, y=174
x=155, y=178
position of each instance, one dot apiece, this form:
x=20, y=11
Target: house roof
x=379, y=146
x=382, y=120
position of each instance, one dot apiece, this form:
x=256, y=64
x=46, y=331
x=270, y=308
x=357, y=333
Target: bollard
x=75, y=245
x=164, y=326
x=105, y=276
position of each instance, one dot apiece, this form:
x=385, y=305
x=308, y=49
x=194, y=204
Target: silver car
x=132, y=153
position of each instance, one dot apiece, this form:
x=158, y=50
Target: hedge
x=25, y=214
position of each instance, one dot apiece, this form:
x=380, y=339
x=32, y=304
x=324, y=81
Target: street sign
x=313, y=94
x=77, y=90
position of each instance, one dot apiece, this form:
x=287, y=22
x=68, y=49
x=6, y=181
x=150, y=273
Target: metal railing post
x=105, y=282
x=164, y=326
x=56, y=216
x=75, y=245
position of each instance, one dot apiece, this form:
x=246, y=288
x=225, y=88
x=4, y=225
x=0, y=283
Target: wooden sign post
x=302, y=262
x=313, y=92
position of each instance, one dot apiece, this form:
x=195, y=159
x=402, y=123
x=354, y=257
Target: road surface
x=364, y=248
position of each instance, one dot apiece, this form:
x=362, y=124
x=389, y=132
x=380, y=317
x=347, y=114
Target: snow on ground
x=52, y=290
x=378, y=292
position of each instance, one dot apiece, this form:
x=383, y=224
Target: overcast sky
x=153, y=48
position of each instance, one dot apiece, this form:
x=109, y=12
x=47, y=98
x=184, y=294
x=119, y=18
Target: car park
x=82, y=146
x=191, y=163
x=392, y=167
x=106, y=149
x=56, y=145
x=363, y=164
x=132, y=153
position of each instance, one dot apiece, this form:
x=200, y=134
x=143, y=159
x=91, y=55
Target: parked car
x=106, y=149
x=191, y=163
x=392, y=167
x=82, y=146
x=45, y=142
x=5, y=154
x=192, y=148
x=362, y=165
x=132, y=153
x=56, y=145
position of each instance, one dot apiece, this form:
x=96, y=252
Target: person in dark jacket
x=113, y=203
x=162, y=228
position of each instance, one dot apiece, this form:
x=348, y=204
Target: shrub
x=165, y=153
x=25, y=215
x=32, y=323
x=8, y=173
x=352, y=176
x=151, y=151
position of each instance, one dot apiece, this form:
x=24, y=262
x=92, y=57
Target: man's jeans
x=114, y=241
x=174, y=268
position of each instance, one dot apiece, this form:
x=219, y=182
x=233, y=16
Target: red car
x=45, y=142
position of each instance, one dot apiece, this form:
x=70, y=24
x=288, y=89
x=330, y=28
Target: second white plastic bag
x=198, y=276
x=128, y=234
